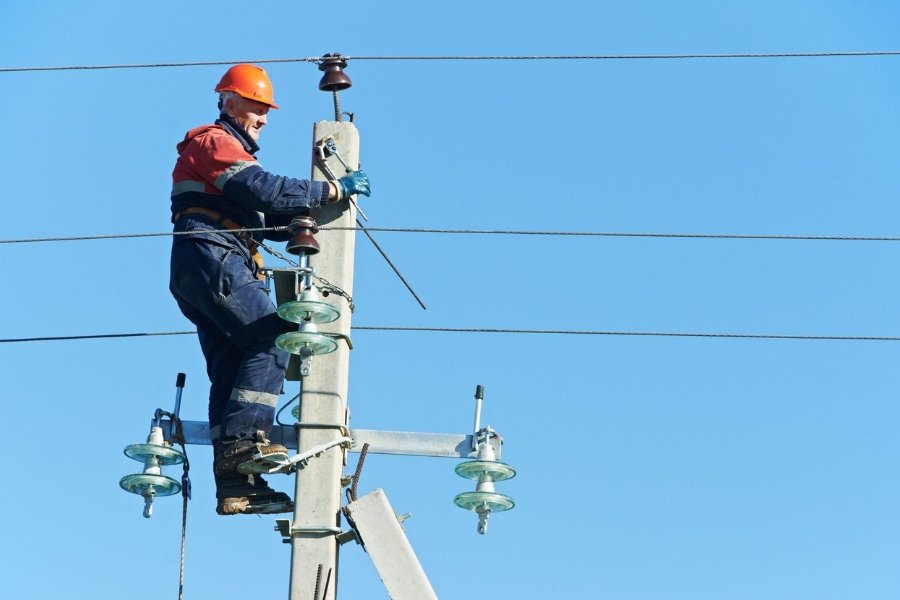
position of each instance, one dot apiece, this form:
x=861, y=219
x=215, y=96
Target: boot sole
x=269, y=463
x=243, y=506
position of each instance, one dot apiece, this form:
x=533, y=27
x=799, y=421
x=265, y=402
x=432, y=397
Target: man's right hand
x=356, y=182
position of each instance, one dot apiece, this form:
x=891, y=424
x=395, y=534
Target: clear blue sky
x=649, y=467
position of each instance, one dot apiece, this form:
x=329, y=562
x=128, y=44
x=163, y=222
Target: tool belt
x=227, y=223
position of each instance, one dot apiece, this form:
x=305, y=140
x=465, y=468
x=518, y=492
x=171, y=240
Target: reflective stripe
x=251, y=397
x=187, y=186
x=231, y=171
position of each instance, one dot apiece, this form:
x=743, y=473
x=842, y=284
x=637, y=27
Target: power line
x=120, y=236
x=641, y=56
x=720, y=236
x=523, y=232
x=157, y=65
x=488, y=330
x=317, y=59
x=758, y=336
x=99, y=336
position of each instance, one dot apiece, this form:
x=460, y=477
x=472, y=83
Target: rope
x=318, y=59
x=178, y=438
x=184, y=505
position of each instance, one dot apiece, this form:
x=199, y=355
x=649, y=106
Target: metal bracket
x=348, y=536
x=288, y=531
x=304, y=366
x=340, y=336
x=339, y=426
x=299, y=461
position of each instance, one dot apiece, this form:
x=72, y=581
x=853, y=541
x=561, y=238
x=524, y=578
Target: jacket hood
x=190, y=135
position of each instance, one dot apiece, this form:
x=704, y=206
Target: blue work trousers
x=213, y=278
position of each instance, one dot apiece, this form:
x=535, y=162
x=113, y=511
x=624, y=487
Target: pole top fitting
x=303, y=240
x=334, y=79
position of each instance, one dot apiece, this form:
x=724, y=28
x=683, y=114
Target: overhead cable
x=759, y=336
x=581, y=332
x=99, y=336
x=640, y=56
x=524, y=232
x=157, y=65
x=723, y=236
x=317, y=59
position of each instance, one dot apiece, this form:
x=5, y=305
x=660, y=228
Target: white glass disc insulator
x=489, y=501
x=299, y=311
x=165, y=454
x=305, y=343
x=144, y=484
x=474, y=469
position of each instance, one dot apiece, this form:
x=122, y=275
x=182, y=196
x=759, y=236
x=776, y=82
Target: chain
x=278, y=254
x=326, y=286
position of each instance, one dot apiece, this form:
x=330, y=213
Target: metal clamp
x=287, y=530
x=343, y=429
x=322, y=150
x=299, y=461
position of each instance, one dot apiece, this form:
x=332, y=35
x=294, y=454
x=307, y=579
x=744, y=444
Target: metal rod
x=303, y=261
x=377, y=247
x=179, y=387
x=479, y=397
x=330, y=174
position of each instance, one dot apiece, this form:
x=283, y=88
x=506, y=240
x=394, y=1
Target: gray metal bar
x=390, y=550
x=408, y=443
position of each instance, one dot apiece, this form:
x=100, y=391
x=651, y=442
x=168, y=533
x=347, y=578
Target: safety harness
x=227, y=223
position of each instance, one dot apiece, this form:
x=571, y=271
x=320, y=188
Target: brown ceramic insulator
x=303, y=241
x=334, y=79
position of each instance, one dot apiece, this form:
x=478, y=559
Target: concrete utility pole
x=323, y=400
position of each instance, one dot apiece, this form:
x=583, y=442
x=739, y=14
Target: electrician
x=217, y=184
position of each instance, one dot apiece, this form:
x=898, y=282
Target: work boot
x=249, y=495
x=228, y=459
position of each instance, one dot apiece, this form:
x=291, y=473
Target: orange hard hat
x=248, y=81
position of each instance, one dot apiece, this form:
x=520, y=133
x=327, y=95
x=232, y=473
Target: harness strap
x=228, y=223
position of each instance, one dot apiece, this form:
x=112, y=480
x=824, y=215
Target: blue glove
x=356, y=182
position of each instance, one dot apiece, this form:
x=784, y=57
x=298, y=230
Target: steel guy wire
x=317, y=59
x=495, y=330
x=613, y=234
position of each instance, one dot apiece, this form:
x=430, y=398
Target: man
x=217, y=184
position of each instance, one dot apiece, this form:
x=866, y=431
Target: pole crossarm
x=407, y=443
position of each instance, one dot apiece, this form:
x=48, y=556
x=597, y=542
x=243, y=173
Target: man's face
x=249, y=114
